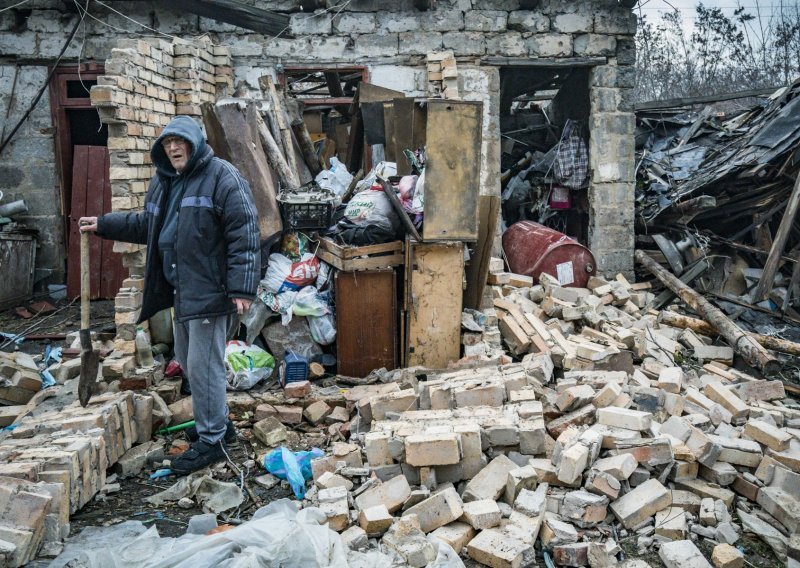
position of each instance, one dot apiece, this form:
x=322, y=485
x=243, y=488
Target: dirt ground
x=128, y=504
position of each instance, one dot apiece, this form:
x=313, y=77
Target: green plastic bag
x=246, y=365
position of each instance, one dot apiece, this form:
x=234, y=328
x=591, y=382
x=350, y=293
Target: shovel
x=90, y=359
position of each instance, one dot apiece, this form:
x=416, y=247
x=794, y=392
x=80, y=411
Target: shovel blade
x=90, y=364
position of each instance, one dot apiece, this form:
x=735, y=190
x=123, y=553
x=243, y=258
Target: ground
x=171, y=520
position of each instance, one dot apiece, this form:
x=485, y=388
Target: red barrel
x=532, y=248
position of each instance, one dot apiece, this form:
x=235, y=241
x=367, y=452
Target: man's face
x=178, y=151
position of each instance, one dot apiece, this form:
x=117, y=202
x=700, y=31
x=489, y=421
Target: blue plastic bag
x=292, y=466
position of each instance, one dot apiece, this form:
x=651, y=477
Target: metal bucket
x=532, y=248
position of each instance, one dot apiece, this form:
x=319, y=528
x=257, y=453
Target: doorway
x=544, y=125
x=83, y=167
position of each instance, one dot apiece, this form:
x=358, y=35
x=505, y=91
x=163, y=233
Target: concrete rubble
x=55, y=463
x=593, y=435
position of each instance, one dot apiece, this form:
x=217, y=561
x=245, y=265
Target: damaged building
x=450, y=360
x=510, y=55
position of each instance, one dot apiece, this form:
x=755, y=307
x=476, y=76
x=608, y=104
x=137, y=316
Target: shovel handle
x=85, y=282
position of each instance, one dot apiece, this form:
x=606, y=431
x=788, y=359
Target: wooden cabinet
x=366, y=321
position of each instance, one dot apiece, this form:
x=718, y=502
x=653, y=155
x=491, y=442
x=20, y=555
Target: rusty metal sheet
x=452, y=171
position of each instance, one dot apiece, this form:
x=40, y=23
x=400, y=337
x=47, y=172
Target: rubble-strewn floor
x=579, y=428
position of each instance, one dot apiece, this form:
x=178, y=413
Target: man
x=201, y=232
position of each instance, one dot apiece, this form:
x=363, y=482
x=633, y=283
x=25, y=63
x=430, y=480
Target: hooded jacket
x=217, y=240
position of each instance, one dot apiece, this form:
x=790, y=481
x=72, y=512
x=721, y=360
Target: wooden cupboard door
x=366, y=321
x=434, y=276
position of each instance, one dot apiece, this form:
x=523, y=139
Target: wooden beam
x=742, y=343
x=544, y=61
x=236, y=13
x=675, y=319
x=764, y=286
x=688, y=101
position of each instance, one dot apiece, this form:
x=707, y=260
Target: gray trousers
x=200, y=349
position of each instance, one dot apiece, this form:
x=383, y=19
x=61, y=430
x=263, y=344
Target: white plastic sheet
x=278, y=535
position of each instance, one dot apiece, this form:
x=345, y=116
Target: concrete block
x=726, y=556
x=620, y=467
x=438, y=510
x=670, y=379
x=671, y=523
x=682, y=554
x=643, y=502
x=483, y=514
x=375, y=520
x=495, y=549
x=392, y=493
x=316, y=412
x=457, y=535
x=624, y=418
x=607, y=395
x=297, y=389
x=432, y=449
x=490, y=482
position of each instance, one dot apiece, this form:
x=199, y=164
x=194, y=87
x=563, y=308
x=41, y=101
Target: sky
x=654, y=8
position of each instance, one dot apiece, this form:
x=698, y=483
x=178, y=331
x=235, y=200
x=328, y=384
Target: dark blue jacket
x=217, y=240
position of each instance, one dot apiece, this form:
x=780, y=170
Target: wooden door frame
x=59, y=104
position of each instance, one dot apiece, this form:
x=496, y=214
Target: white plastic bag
x=372, y=207
x=418, y=201
x=337, y=179
x=246, y=365
x=323, y=328
x=283, y=274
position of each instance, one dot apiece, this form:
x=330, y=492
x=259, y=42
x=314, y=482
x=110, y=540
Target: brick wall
x=391, y=38
x=147, y=83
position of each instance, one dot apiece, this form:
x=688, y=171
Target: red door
x=91, y=196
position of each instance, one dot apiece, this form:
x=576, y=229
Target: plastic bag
x=406, y=190
x=283, y=274
x=309, y=303
x=336, y=179
x=418, y=200
x=372, y=207
x=323, y=328
x=295, y=467
x=246, y=365
x=294, y=245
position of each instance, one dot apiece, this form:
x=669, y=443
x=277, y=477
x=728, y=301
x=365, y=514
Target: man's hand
x=242, y=305
x=87, y=224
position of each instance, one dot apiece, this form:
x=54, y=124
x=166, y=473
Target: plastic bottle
x=144, y=353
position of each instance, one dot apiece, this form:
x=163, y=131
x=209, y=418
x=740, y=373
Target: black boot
x=230, y=434
x=198, y=456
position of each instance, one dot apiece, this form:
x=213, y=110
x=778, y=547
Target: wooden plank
x=452, y=171
x=544, y=61
x=688, y=101
x=77, y=210
x=368, y=93
x=388, y=128
x=478, y=269
x=237, y=13
x=409, y=131
x=346, y=252
x=367, y=263
x=435, y=277
x=94, y=207
x=366, y=321
x=248, y=156
x=764, y=286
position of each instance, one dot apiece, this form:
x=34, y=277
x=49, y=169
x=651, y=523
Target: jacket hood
x=186, y=128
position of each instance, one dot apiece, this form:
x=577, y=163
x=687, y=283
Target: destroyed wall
x=391, y=39
x=146, y=84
